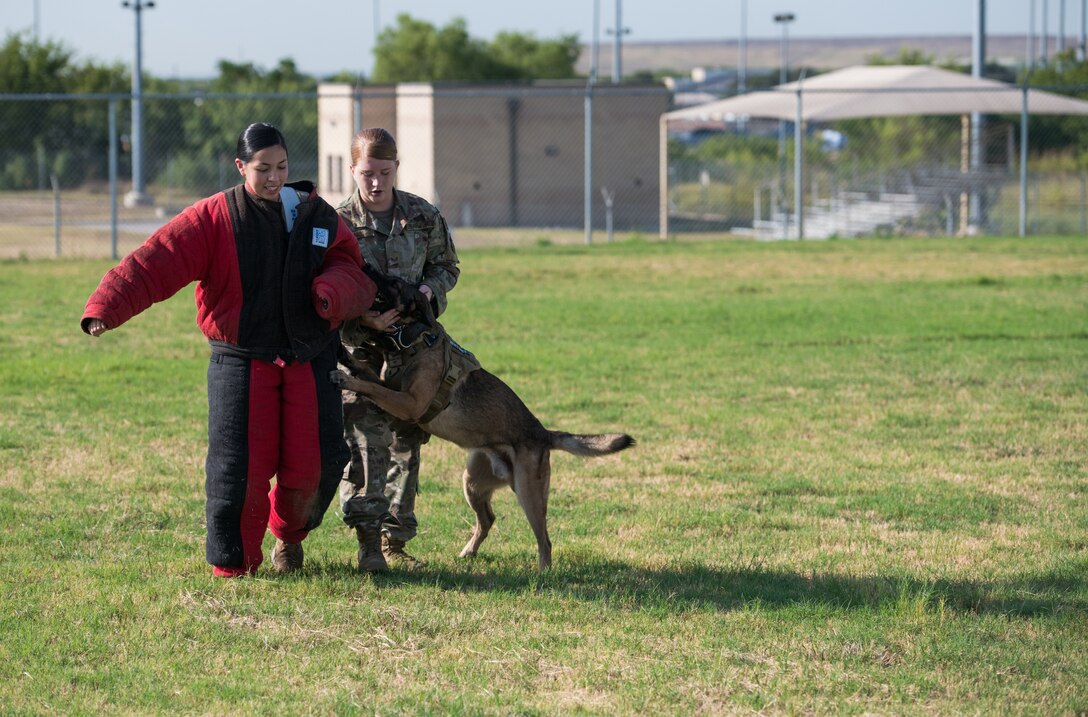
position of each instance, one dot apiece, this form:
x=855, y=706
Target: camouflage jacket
x=418, y=249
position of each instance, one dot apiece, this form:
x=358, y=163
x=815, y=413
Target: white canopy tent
x=877, y=91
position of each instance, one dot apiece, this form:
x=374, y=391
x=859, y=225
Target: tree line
x=190, y=136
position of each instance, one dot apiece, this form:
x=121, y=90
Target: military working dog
x=449, y=395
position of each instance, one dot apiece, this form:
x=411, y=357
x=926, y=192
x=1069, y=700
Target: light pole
x=783, y=19
x=137, y=197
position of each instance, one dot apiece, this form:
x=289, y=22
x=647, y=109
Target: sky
x=187, y=38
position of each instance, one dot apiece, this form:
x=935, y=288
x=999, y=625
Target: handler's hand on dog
x=96, y=327
x=379, y=321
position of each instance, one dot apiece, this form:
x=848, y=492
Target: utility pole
x=1029, y=53
x=1045, y=39
x=742, y=50
x=1082, y=48
x=617, y=46
x=1061, y=25
x=138, y=197
x=783, y=19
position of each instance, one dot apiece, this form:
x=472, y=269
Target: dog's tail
x=590, y=445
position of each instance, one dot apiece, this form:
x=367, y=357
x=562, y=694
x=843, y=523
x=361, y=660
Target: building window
x=335, y=173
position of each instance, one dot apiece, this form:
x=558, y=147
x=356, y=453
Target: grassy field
x=860, y=488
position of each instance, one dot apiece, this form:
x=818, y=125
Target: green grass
x=860, y=488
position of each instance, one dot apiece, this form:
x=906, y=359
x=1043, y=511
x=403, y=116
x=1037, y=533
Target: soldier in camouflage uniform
x=404, y=236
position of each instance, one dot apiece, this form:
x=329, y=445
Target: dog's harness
x=457, y=360
x=405, y=343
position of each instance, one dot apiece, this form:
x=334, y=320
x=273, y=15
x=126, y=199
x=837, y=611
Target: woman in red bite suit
x=277, y=272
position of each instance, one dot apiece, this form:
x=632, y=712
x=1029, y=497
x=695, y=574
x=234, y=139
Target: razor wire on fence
x=515, y=159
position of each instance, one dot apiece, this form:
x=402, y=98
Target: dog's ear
x=417, y=305
x=411, y=302
x=426, y=311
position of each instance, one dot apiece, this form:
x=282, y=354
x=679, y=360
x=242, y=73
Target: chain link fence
x=66, y=167
x=66, y=164
x=884, y=176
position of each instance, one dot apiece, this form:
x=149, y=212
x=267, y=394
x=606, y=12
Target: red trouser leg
x=299, y=471
x=264, y=429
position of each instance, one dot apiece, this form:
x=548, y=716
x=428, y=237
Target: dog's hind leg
x=485, y=471
x=532, y=480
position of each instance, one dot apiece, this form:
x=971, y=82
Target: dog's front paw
x=338, y=378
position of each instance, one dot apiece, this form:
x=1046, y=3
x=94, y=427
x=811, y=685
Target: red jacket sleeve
x=342, y=291
x=171, y=258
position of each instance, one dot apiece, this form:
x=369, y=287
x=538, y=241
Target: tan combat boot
x=393, y=548
x=286, y=557
x=371, y=559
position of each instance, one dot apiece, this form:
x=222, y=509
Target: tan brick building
x=505, y=155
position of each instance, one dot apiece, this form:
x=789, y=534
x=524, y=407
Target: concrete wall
x=472, y=140
x=415, y=139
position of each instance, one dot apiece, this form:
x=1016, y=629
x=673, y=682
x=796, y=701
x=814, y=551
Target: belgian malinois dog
x=506, y=443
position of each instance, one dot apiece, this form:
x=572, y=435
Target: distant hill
x=817, y=53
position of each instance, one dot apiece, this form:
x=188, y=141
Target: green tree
x=200, y=157
x=36, y=136
x=1052, y=133
x=417, y=51
x=33, y=67
x=537, y=59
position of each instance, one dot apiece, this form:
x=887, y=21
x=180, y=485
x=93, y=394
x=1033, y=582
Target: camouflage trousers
x=381, y=480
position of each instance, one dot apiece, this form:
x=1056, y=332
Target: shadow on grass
x=694, y=585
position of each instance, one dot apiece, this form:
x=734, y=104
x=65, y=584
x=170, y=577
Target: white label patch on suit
x=321, y=237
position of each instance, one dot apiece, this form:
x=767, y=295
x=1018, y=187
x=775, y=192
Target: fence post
x=1024, y=159
x=663, y=178
x=588, y=168
x=608, y=199
x=587, y=173
x=513, y=105
x=56, y=214
x=965, y=168
x=114, y=150
x=798, y=163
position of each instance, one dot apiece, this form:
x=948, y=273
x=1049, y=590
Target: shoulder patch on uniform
x=321, y=237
